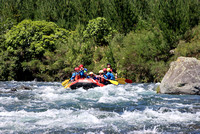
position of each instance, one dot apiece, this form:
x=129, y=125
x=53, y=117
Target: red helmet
x=104, y=69
x=76, y=68
x=80, y=66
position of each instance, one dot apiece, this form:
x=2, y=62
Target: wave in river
x=131, y=108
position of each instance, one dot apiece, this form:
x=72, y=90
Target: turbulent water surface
x=129, y=109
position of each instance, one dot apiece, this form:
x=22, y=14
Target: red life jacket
x=77, y=77
x=101, y=79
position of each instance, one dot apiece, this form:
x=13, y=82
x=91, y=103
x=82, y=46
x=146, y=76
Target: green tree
x=26, y=44
x=34, y=37
x=175, y=17
x=141, y=54
x=99, y=31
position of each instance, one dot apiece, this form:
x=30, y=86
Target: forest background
x=46, y=39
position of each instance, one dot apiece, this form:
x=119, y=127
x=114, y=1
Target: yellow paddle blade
x=121, y=80
x=68, y=85
x=65, y=82
x=114, y=82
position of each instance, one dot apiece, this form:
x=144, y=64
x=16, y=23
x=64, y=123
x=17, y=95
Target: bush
x=140, y=54
x=190, y=45
x=25, y=46
x=99, y=31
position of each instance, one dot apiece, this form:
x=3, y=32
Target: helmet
x=101, y=71
x=108, y=64
x=108, y=69
x=85, y=69
x=104, y=69
x=80, y=66
x=76, y=68
x=91, y=73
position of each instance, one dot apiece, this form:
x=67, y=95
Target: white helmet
x=101, y=71
x=91, y=73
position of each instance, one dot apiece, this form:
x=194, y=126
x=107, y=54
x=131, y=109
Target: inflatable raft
x=85, y=83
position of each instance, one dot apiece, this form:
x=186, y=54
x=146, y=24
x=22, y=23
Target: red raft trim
x=86, y=83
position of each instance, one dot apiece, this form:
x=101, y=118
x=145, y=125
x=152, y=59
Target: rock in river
x=22, y=87
x=183, y=77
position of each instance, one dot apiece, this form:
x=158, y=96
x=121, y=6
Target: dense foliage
x=46, y=39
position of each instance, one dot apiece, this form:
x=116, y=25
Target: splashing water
x=131, y=108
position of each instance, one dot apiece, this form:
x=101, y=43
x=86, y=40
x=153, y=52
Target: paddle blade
x=128, y=81
x=121, y=80
x=114, y=82
x=65, y=82
x=68, y=85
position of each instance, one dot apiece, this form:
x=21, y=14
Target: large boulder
x=183, y=77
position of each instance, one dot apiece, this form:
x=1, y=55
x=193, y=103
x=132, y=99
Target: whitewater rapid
x=130, y=108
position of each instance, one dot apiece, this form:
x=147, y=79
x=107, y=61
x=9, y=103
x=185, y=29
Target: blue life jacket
x=105, y=76
x=73, y=75
x=110, y=76
x=95, y=78
x=82, y=75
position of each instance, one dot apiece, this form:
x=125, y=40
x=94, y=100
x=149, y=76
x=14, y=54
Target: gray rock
x=22, y=87
x=183, y=77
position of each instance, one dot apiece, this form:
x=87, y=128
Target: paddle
x=113, y=82
x=121, y=80
x=128, y=81
x=68, y=85
x=65, y=82
x=124, y=81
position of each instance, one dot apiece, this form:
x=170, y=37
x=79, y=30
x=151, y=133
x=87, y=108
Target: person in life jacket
x=109, y=74
x=86, y=74
x=100, y=77
x=75, y=73
x=81, y=72
x=109, y=66
x=112, y=70
x=104, y=73
x=105, y=76
x=91, y=75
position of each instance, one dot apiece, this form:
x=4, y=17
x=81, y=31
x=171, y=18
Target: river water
x=128, y=109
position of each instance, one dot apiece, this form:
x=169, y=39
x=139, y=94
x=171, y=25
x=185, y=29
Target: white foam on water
x=52, y=94
x=181, y=105
x=146, y=131
x=128, y=90
x=19, y=120
x=149, y=115
x=144, y=89
x=171, y=98
x=88, y=117
x=54, y=118
x=113, y=94
x=108, y=94
x=2, y=109
x=8, y=100
x=109, y=99
x=95, y=133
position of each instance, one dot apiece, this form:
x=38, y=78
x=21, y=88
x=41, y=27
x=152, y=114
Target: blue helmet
x=85, y=69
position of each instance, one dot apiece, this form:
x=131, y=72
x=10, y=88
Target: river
x=126, y=109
